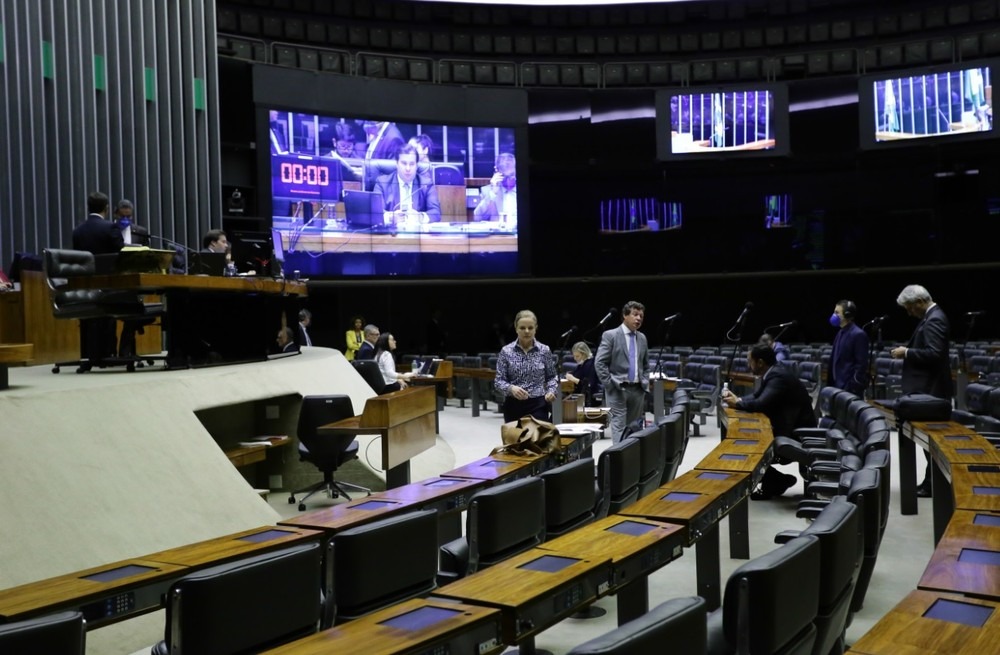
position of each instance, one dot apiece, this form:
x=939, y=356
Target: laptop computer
x=364, y=209
x=207, y=263
x=279, y=251
x=140, y=260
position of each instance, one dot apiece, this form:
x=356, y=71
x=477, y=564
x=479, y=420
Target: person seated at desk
x=781, y=351
x=344, y=142
x=585, y=375
x=407, y=197
x=133, y=234
x=215, y=241
x=394, y=381
x=500, y=195
x=286, y=341
x=423, y=144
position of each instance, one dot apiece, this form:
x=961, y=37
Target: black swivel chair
x=770, y=604
x=841, y=540
x=676, y=626
x=383, y=563
x=370, y=372
x=617, y=483
x=248, y=605
x=501, y=522
x=325, y=452
x=651, y=458
x=55, y=634
x=568, y=503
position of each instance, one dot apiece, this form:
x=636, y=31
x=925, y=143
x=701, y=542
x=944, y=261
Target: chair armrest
x=825, y=489
x=814, y=442
x=785, y=536
x=808, y=513
x=717, y=644
x=453, y=560
x=802, y=433
x=823, y=454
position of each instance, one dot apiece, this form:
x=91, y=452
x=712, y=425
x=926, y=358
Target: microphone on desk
x=567, y=333
x=878, y=320
x=781, y=326
x=608, y=316
x=743, y=315
x=672, y=318
x=974, y=314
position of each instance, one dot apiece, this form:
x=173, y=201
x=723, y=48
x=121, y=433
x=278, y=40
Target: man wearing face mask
x=500, y=195
x=132, y=234
x=849, y=359
x=786, y=403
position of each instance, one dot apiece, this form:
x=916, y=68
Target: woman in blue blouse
x=526, y=373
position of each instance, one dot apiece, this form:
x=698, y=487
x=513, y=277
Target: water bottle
x=230, y=270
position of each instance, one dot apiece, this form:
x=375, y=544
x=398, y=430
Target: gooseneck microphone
x=735, y=334
x=567, y=333
x=672, y=318
x=788, y=324
x=607, y=317
x=979, y=313
x=743, y=315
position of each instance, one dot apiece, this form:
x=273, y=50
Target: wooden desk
x=449, y=497
x=208, y=318
x=13, y=353
x=338, y=518
x=730, y=416
x=698, y=499
x=405, y=421
x=906, y=631
x=235, y=546
x=530, y=599
x=950, y=449
x=496, y=469
x=451, y=628
x=476, y=374
x=975, y=488
x=637, y=548
x=661, y=383
x=967, y=557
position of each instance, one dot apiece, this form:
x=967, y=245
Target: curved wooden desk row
x=956, y=607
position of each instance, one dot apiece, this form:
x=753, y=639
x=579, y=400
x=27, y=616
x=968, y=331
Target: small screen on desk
x=420, y=618
x=986, y=491
x=737, y=458
x=373, y=504
x=957, y=612
x=978, y=556
x=549, y=563
x=681, y=497
x=970, y=451
x=713, y=475
x=958, y=437
x=444, y=482
x=749, y=430
x=111, y=575
x=745, y=442
x=992, y=520
x=266, y=535
x=632, y=528
x=984, y=468
x=340, y=201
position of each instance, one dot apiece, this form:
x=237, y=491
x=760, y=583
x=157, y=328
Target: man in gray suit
x=622, y=367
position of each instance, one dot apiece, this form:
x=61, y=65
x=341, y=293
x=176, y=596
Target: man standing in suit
x=367, y=349
x=786, y=403
x=926, y=368
x=384, y=140
x=408, y=197
x=99, y=236
x=133, y=234
x=622, y=367
x=305, y=320
x=849, y=359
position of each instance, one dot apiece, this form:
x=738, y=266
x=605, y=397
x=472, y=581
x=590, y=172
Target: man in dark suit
x=286, y=341
x=367, y=349
x=926, y=368
x=132, y=233
x=408, y=197
x=305, y=320
x=849, y=359
x=622, y=367
x=384, y=140
x=99, y=236
x=786, y=403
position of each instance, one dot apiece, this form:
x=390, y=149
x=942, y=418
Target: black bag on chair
x=922, y=407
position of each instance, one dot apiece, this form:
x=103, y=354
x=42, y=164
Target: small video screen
x=777, y=211
x=933, y=105
x=619, y=215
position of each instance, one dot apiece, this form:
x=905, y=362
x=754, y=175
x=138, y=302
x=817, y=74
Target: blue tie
x=631, y=356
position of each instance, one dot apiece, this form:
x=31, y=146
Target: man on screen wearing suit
x=623, y=369
x=408, y=197
x=926, y=368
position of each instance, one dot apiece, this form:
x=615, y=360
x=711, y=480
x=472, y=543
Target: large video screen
x=356, y=196
x=938, y=104
x=750, y=121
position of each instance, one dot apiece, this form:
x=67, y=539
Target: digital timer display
x=299, y=176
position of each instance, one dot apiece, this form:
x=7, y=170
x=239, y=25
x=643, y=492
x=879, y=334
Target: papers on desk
x=264, y=441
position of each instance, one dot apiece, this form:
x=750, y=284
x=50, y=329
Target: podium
x=405, y=421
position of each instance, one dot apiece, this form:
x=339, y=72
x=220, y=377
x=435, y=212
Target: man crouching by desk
x=408, y=198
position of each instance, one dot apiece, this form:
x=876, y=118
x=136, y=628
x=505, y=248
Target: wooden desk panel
x=54, y=339
x=946, y=573
x=471, y=629
x=348, y=515
x=157, y=282
x=531, y=600
x=496, y=468
x=234, y=546
x=966, y=481
x=444, y=494
x=906, y=631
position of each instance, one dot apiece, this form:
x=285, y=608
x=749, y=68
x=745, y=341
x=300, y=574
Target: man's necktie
x=631, y=356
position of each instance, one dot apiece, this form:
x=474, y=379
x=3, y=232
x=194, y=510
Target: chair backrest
x=977, y=397
x=247, y=605
x=674, y=444
x=617, y=477
x=825, y=402
x=59, y=266
x=651, y=457
x=369, y=371
x=505, y=520
x=866, y=492
x=62, y=633
x=321, y=410
x=771, y=601
x=676, y=626
x=384, y=562
x=568, y=496
x=838, y=528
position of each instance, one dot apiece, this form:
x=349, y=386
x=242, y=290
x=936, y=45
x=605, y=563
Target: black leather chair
x=55, y=634
x=568, y=501
x=501, y=522
x=676, y=626
x=370, y=372
x=383, y=563
x=651, y=458
x=841, y=542
x=770, y=603
x=248, y=605
x=95, y=308
x=325, y=452
x=674, y=444
x=617, y=483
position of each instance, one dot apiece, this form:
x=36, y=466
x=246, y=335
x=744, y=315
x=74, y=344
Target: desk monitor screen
x=251, y=251
x=681, y=497
x=333, y=177
x=266, y=535
x=420, y=618
x=111, y=575
x=549, y=563
x=631, y=528
x=208, y=263
x=955, y=611
x=279, y=246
